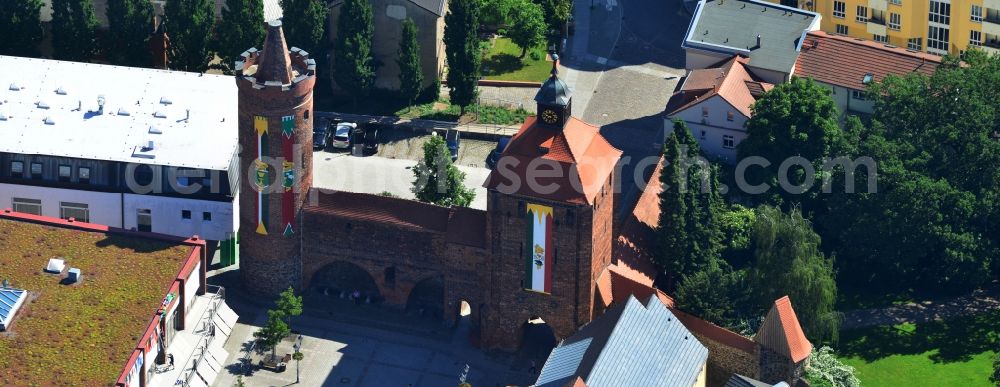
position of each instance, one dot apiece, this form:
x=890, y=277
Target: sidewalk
x=924, y=311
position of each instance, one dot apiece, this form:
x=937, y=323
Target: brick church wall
x=725, y=360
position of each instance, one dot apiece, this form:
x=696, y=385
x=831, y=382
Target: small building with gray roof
x=770, y=35
x=632, y=344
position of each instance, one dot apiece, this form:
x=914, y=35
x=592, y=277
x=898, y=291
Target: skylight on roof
x=165, y=101
x=868, y=78
x=160, y=114
x=123, y=112
x=15, y=87
x=43, y=105
x=61, y=91
x=11, y=300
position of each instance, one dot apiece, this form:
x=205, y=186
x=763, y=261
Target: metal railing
x=207, y=334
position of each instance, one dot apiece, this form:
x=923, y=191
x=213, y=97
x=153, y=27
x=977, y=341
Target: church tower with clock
x=549, y=212
x=554, y=99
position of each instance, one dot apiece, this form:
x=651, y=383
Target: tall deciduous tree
x=241, y=27
x=688, y=236
x=273, y=331
x=304, y=24
x=556, y=14
x=438, y=181
x=21, y=27
x=189, y=24
x=795, y=119
x=787, y=261
x=73, y=30
x=411, y=74
x=289, y=304
x=527, y=26
x=461, y=40
x=353, y=64
x=129, y=24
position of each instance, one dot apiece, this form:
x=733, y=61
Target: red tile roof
x=578, y=156
x=617, y=282
x=782, y=333
x=633, y=246
x=844, y=61
x=461, y=225
x=732, y=81
x=715, y=333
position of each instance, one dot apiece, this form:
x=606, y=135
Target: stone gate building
x=546, y=247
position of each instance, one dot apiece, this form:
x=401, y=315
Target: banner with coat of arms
x=288, y=174
x=262, y=180
x=538, y=251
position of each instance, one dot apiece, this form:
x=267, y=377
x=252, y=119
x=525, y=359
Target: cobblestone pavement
x=508, y=97
x=924, y=311
x=389, y=350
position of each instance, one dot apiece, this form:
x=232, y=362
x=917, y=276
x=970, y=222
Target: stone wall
x=725, y=360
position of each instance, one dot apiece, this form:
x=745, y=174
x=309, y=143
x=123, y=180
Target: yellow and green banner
x=538, y=254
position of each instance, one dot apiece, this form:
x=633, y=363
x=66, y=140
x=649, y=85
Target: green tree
x=21, y=27
x=189, y=24
x=289, y=304
x=496, y=13
x=353, y=65
x=824, y=370
x=788, y=261
x=129, y=25
x=714, y=294
x=527, y=26
x=556, y=14
x=73, y=30
x=688, y=237
x=241, y=27
x=272, y=332
x=795, y=119
x=438, y=181
x=304, y=24
x=995, y=378
x=461, y=40
x=411, y=74
x=736, y=224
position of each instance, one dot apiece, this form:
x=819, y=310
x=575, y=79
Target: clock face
x=550, y=117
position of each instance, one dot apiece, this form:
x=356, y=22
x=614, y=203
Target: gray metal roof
x=632, y=344
x=732, y=27
x=738, y=380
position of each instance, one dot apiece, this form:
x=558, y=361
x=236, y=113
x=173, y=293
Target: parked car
x=371, y=138
x=321, y=137
x=453, y=139
x=494, y=157
x=342, y=135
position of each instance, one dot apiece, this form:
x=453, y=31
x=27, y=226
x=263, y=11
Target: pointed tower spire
x=274, y=64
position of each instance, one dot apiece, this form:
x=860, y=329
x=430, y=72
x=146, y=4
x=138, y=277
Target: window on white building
x=36, y=170
x=17, y=168
x=975, y=38
x=839, y=9
x=858, y=95
x=78, y=211
x=896, y=2
x=729, y=116
x=65, y=173
x=728, y=142
x=185, y=214
x=83, y=174
x=206, y=216
x=862, y=16
x=841, y=29
x=144, y=219
x=27, y=206
x=704, y=112
x=895, y=21
x=976, y=14
x=703, y=134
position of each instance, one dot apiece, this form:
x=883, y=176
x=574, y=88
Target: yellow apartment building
x=934, y=26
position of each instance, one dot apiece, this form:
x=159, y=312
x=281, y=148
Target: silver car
x=342, y=136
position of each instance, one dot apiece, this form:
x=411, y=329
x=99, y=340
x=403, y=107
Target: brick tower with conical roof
x=275, y=136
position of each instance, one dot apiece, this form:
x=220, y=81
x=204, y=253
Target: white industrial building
x=134, y=148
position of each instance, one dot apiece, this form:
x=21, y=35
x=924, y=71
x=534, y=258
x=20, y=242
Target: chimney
x=758, y=41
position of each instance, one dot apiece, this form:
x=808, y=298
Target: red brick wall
x=271, y=263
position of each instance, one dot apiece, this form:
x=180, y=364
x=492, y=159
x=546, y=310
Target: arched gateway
x=529, y=254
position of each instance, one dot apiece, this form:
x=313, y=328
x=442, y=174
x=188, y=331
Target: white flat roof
x=48, y=107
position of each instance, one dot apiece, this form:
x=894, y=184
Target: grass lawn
x=444, y=111
x=943, y=353
x=81, y=334
x=503, y=63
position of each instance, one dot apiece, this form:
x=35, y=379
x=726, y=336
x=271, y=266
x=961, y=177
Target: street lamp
x=297, y=356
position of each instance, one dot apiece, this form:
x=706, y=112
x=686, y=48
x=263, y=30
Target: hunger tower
x=275, y=136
